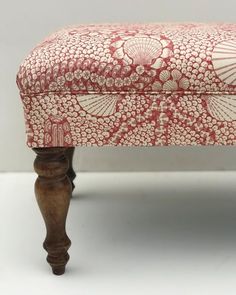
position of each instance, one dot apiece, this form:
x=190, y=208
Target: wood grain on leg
x=53, y=192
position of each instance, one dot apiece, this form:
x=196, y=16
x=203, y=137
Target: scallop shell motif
x=184, y=83
x=222, y=107
x=143, y=50
x=164, y=75
x=99, y=105
x=176, y=74
x=170, y=85
x=224, y=61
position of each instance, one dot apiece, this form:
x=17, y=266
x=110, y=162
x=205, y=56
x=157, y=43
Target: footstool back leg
x=71, y=173
x=53, y=191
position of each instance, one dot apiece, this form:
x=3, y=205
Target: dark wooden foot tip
x=59, y=270
x=58, y=256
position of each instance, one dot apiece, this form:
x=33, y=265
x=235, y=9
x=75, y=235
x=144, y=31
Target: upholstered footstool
x=122, y=85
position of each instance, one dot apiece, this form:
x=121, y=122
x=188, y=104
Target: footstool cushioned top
x=131, y=85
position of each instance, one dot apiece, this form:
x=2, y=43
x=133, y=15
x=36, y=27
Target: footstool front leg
x=53, y=191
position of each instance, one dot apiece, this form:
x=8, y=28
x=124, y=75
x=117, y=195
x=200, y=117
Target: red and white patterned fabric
x=132, y=85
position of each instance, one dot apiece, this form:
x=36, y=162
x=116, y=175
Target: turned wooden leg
x=71, y=173
x=53, y=192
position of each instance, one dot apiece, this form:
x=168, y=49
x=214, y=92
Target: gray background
x=24, y=23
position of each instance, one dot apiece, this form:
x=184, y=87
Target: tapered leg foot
x=71, y=173
x=58, y=270
x=53, y=191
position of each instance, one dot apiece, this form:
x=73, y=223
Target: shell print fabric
x=131, y=85
x=224, y=61
x=99, y=105
x=222, y=107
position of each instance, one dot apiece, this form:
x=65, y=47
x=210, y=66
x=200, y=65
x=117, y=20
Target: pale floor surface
x=132, y=233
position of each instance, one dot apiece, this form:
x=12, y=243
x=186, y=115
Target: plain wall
x=26, y=22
